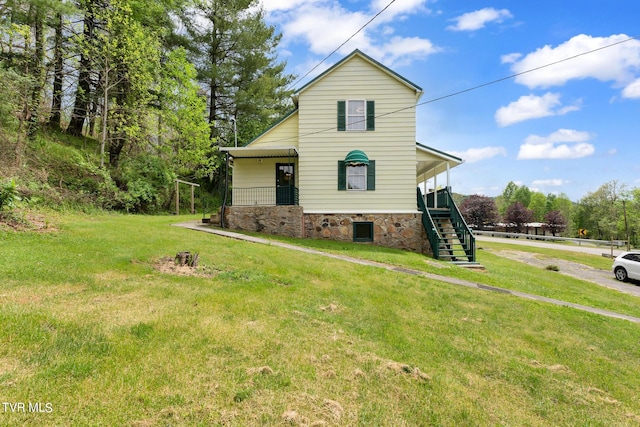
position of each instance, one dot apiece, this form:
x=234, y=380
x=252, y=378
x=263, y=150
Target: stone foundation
x=400, y=231
x=281, y=220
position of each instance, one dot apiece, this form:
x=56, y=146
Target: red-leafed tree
x=555, y=222
x=479, y=211
x=517, y=216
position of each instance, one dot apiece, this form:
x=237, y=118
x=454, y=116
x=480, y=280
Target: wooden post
x=177, y=198
x=193, y=185
x=193, y=209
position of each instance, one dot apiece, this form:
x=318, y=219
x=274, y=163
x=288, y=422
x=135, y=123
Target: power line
x=460, y=92
x=345, y=42
x=527, y=71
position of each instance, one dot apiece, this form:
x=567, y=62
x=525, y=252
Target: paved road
x=196, y=225
x=585, y=249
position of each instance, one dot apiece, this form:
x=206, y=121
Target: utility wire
x=440, y=98
x=512, y=76
x=345, y=42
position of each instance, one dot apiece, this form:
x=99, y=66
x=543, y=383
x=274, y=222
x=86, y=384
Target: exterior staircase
x=449, y=235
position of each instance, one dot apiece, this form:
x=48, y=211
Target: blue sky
x=566, y=128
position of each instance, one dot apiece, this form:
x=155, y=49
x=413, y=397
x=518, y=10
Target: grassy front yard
x=94, y=331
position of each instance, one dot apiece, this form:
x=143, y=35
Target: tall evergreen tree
x=234, y=52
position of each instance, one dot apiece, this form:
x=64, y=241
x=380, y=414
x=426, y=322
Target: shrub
x=8, y=195
x=146, y=182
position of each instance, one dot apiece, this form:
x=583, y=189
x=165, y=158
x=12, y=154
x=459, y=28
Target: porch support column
x=424, y=185
x=226, y=191
x=435, y=189
x=448, y=176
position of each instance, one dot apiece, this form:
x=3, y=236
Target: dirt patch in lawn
x=25, y=221
x=168, y=265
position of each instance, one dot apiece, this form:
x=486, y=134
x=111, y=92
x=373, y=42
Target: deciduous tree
x=517, y=216
x=479, y=211
x=555, y=222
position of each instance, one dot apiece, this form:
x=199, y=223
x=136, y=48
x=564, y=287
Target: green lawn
x=267, y=336
x=500, y=272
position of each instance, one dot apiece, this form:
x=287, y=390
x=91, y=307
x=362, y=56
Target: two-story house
x=345, y=165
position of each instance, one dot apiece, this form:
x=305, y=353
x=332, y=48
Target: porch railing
x=264, y=196
x=427, y=222
x=441, y=203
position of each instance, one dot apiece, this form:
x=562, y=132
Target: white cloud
x=473, y=155
x=402, y=50
x=549, y=182
x=324, y=25
x=399, y=7
x=616, y=64
x=562, y=144
x=632, y=90
x=510, y=58
x=532, y=107
x=475, y=20
x=276, y=5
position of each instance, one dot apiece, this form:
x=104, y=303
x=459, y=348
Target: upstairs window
x=356, y=115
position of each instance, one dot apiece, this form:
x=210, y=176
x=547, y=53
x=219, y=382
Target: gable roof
x=272, y=126
x=368, y=59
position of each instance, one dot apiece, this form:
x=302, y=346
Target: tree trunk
x=83, y=90
x=37, y=71
x=212, y=109
x=56, y=99
x=118, y=137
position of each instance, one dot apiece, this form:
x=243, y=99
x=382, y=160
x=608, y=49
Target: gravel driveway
x=574, y=269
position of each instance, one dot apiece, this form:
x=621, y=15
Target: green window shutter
x=342, y=115
x=342, y=176
x=371, y=115
x=371, y=175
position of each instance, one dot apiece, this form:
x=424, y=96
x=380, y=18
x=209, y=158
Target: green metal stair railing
x=428, y=224
x=463, y=232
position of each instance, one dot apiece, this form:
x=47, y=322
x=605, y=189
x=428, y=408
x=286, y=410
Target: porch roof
x=250, y=152
x=431, y=162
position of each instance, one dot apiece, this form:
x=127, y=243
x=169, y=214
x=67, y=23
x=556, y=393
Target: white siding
x=284, y=134
x=391, y=145
x=257, y=173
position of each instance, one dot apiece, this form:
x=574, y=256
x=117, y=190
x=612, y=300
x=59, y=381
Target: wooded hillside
x=150, y=88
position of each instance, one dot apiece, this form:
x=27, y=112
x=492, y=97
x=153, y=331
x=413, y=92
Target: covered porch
x=433, y=171
x=449, y=235
x=266, y=176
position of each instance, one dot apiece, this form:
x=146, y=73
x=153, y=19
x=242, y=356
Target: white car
x=627, y=266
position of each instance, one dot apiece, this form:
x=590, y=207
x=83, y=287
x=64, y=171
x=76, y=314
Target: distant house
x=345, y=165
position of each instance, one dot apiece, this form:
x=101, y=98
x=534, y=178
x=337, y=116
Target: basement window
x=363, y=231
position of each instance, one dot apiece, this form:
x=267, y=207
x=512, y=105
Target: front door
x=285, y=184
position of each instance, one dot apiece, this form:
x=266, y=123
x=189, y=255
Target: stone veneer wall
x=281, y=220
x=401, y=231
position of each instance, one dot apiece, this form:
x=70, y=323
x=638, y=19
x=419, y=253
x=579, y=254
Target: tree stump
x=186, y=258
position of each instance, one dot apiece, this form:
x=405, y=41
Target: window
x=363, y=231
x=356, y=115
x=356, y=177
x=356, y=172
x=632, y=257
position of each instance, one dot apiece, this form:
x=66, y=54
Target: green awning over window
x=356, y=157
